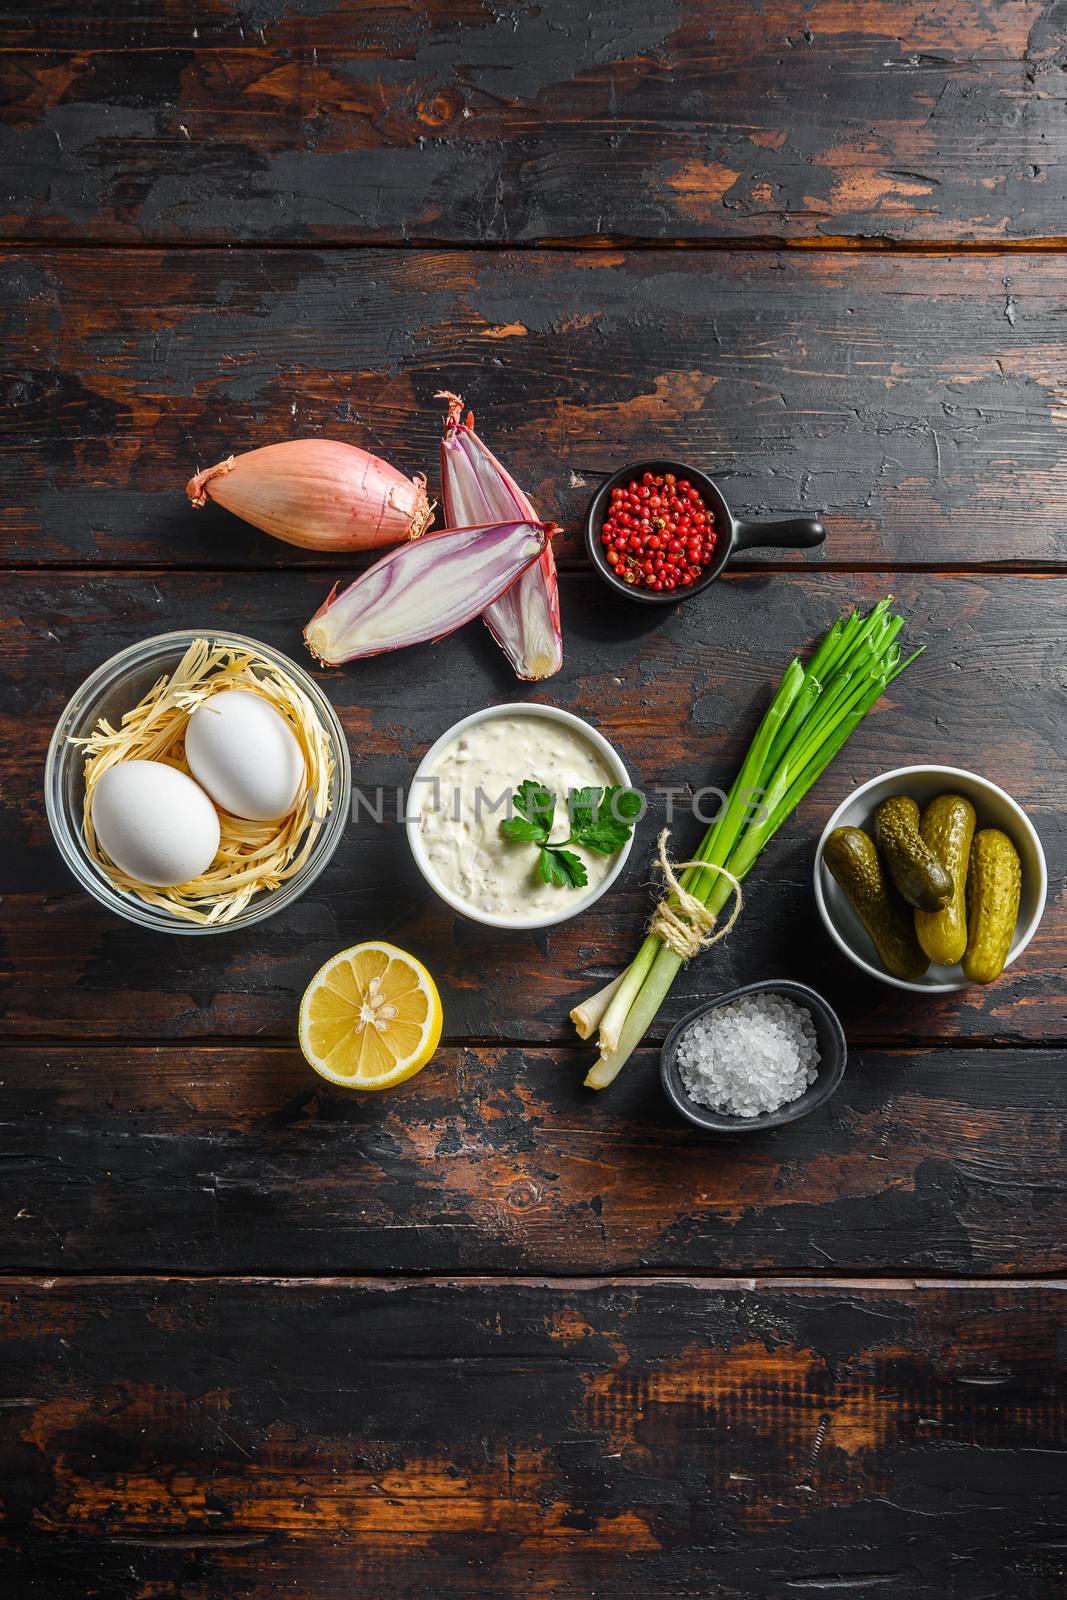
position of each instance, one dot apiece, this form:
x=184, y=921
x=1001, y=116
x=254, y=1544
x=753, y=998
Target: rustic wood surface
x=488, y=1335
x=474, y=121
x=497, y=1160
x=339, y=1437
x=917, y=402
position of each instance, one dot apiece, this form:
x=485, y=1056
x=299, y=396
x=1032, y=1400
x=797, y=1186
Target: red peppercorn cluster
x=659, y=534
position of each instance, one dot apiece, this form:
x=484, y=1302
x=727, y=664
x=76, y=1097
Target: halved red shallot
x=476, y=487
x=318, y=493
x=424, y=590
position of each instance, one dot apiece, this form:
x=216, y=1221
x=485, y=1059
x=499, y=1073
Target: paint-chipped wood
x=677, y=692
x=916, y=402
x=352, y=120
x=497, y=1160
x=467, y=1430
x=543, y=1441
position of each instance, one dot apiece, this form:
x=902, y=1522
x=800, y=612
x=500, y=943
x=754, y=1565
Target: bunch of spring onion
x=812, y=714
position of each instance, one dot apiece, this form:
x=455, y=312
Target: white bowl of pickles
x=931, y=879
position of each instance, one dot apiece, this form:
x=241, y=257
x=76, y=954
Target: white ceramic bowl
x=994, y=808
x=574, y=905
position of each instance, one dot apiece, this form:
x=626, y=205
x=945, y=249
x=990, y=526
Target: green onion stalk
x=813, y=712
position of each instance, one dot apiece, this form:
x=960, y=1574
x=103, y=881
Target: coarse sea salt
x=749, y=1056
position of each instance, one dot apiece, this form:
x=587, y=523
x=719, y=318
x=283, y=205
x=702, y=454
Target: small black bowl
x=796, y=533
x=832, y=1056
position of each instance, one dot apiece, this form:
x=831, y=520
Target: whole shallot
x=424, y=590
x=476, y=488
x=318, y=493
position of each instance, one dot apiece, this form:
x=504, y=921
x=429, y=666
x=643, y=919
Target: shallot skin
x=423, y=591
x=525, y=620
x=319, y=494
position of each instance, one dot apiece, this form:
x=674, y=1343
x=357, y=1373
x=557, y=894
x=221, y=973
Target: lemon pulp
x=371, y=1017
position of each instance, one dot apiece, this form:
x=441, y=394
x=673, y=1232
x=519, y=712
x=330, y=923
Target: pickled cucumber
x=851, y=856
x=947, y=827
x=913, y=866
x=994, y=883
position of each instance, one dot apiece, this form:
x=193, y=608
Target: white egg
x=155, y=823
x=245, y=755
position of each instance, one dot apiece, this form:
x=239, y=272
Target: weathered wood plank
x=499, y=1440
x=917, y=403
x=238, y=1159
x=468, y=122
x=678, y=693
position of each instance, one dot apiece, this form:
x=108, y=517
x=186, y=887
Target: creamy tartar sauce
x=465, y=797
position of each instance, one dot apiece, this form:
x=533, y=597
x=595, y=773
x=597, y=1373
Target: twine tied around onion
x=686, y=925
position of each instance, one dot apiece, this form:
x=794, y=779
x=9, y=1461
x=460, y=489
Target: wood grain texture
x=543, y=1441
x=918, y=403
x=284, y=120
x=678, y=693
x=137, y=1159
x=399, y=1435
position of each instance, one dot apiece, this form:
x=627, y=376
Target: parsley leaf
x=601, y=821
x=584, y=804
x=604, y=840
x=605, y=828
x=563, y=868
x=524, y=832
x=536, y=803
x=625, y=803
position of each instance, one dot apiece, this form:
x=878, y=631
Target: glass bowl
x=109, y=692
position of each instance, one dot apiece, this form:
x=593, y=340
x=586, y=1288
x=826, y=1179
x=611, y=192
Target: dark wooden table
x=489, y=1335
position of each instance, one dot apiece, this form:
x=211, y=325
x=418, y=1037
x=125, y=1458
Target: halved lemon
x=370, y=1018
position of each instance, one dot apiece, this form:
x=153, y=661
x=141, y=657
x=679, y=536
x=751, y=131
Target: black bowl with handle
x=732, y=533
x=833, y=1054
